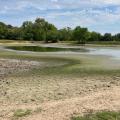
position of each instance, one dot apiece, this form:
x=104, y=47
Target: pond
x=45, y=49
x=113, y=52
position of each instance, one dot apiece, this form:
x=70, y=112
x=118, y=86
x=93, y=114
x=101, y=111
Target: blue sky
x=98, y=15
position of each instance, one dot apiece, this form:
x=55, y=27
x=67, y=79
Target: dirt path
x=63, y=110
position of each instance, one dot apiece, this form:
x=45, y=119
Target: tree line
x=41, y=30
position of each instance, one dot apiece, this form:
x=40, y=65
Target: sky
x=98, y=15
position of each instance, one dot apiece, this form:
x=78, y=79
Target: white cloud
x=107, y=2
x=65, y=12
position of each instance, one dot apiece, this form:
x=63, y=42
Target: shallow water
x=113, y=52
x=106, y=51
x=46, y=49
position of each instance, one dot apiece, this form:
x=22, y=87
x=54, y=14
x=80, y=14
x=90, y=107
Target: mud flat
x=8, y=66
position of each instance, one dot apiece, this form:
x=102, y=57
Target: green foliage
x=94, y=36
x=41, y=30
x=21, y=113
x=52, y=36
x=81, y=34
x=65, y=34
x=3, y=30
x=107, y=37
x=27, y=30
x=116, y=37
x=100, y=116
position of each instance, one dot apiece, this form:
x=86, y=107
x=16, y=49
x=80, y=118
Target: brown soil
x=8, y=66
x=58, y=97
x=65, y=109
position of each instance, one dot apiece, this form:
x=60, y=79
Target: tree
x=116, y=37
x=65, y=34
x=41, y=29
x=27, y=29
x=107, y=37
x=81, y=34
x=3, y=30
x=52, y=36
x=94, y=36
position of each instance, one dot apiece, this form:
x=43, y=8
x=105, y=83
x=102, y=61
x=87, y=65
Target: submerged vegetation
x=45, y=49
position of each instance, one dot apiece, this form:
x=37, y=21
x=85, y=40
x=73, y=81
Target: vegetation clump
x=100, y=116
x=21, y=113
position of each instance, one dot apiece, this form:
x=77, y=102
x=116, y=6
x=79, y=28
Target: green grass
x=82, y=66
x=44, y=49
x=104, y=42
x=14, y=41
x=74, y=65
x=21, y=113
x=100, y=116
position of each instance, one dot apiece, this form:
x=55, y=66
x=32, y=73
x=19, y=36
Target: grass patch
x=104, y=42
x=100, y=116
x=73, y=67
x=14, y=41
x=21, y=113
